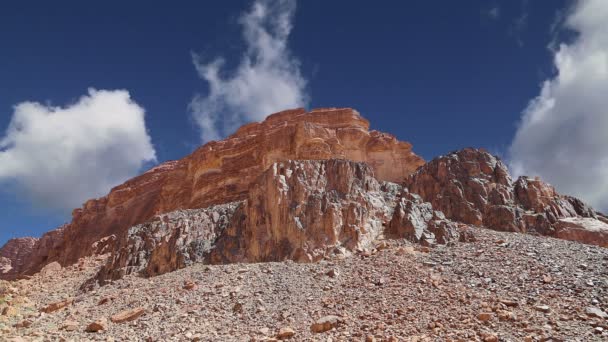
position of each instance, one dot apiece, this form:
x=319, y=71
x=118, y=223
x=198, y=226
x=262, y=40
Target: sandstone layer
x=221, y=172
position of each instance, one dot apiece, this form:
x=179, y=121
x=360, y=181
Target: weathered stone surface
x=169, y=242
x=57, y=305
x=583, y=229
x=98, y=325
x=218, y=172
x=304, y=210
x=325, y=324
x=416, y=220
x=14, y=256
x=474, y=187
x=127, y=315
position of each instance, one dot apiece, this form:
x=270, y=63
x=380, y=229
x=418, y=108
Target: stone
x=485, y=316
x=69, y=325
x=50, y=269
x=542, y=308
x=9, y=311
x=26, y=323
x=325, y=324
x=189, y=285
x=285, y=333
x=98, y=325
x=508, y=302
x=127, y=315
x=595, y=312
x=333, y=273
x=57, y=305
x=490, y=338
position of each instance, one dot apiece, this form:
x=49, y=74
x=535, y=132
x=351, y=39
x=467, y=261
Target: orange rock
x=127, y=315
x=57, y=305
x=219, y=172
x=98, y=325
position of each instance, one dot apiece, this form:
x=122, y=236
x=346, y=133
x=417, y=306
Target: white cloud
x=267, y=80
x=563, y=133
x=61, y=156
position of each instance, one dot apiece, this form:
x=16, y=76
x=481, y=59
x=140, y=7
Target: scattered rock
x=57, y=305
x=127, y=315
x=325, y=324
x=485, y=316
x=69, y=325
x=98, y=325
x=189, y=285
x=595, y=312
x=286, y=333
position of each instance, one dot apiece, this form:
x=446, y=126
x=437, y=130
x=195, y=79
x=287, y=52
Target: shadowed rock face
x=168, y=242
x=474, y=187
x=222, y=171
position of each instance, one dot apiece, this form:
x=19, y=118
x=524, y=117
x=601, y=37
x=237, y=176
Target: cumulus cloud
x=563, y=133
x=61, y=156
x=267, y=79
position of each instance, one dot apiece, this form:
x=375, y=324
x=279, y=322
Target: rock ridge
x=221, y=172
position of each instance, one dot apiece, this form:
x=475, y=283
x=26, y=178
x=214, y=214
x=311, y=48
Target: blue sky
x=440, y=74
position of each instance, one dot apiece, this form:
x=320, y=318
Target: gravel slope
x=502, y=287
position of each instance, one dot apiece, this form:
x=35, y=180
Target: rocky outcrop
x=25, y=255
x=222, y=171
x=305, y=210
x=168, y=242
x=474, y=187
x=14, y=256
x=416, y=220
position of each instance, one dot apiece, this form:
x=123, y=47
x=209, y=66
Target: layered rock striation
x=300, y=186
x=301, y=210
x=222, y=171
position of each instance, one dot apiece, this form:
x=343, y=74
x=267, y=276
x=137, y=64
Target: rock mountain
x=299, y=186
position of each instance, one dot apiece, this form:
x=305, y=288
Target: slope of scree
x=216, y=173
x=502, y=287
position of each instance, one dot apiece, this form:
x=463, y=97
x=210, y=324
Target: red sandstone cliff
x=220, y=172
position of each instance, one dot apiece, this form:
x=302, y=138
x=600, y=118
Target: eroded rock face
x=168, y=242
x=14, y=256
x=474, y=187
x=416, y=220
x=222, y=171
x=304, y=210
x=298, y=210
